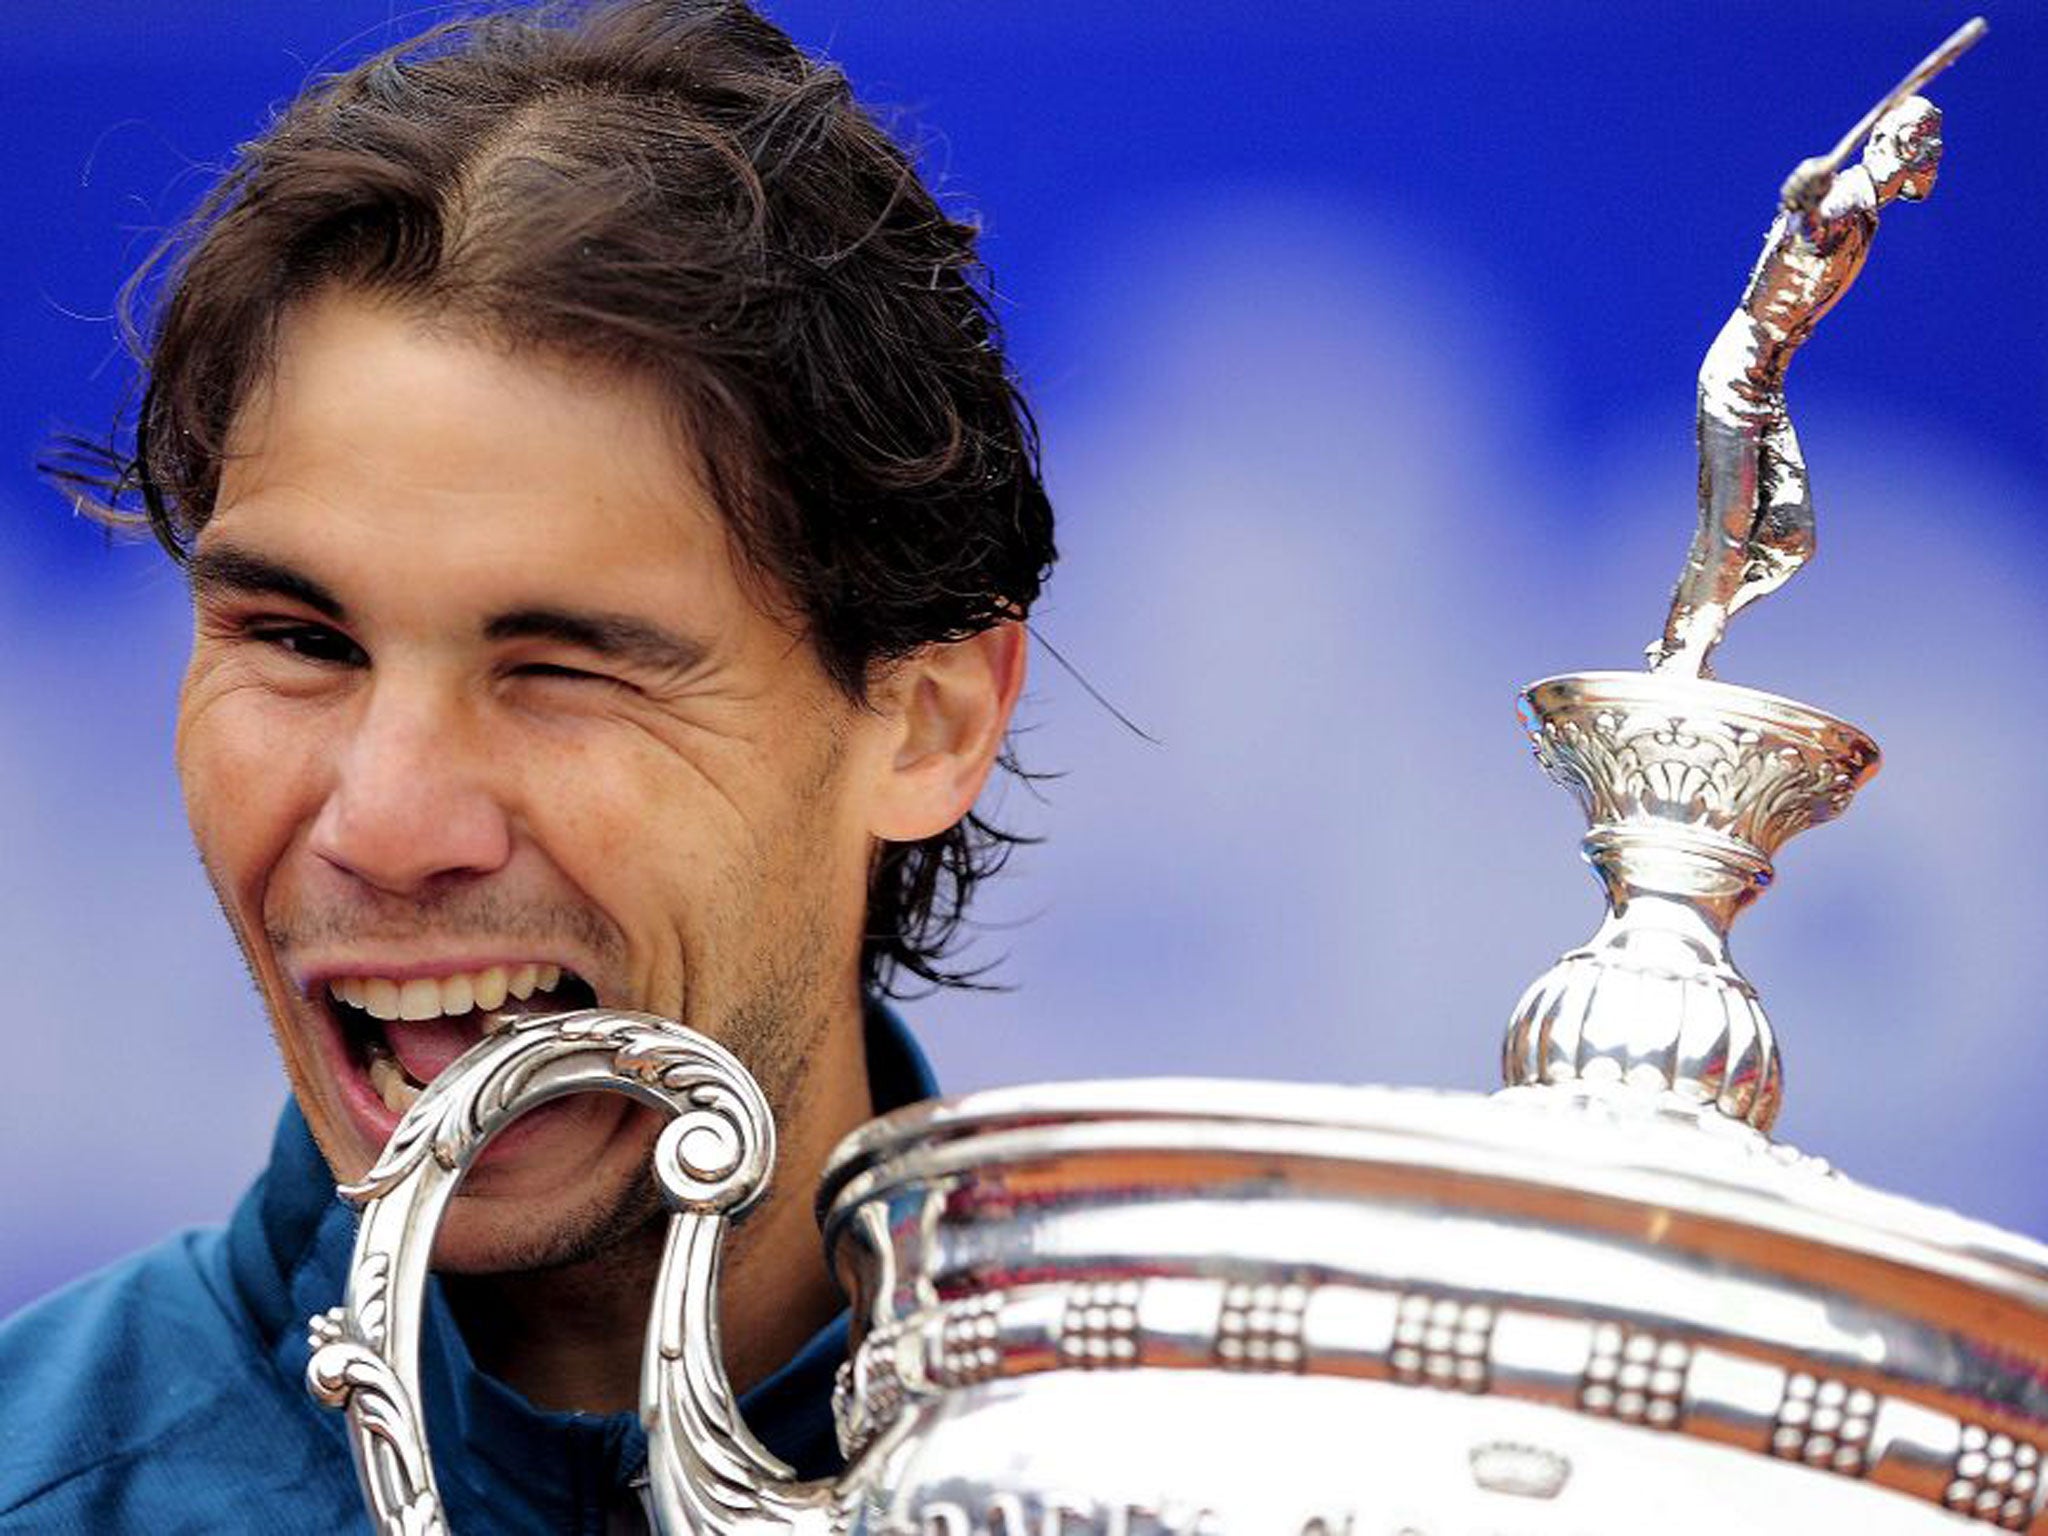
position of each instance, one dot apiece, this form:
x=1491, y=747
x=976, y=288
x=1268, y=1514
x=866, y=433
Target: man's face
x=477, y=701
x=1905, y=152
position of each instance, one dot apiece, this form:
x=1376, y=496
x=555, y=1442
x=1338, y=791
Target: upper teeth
x=432, y=997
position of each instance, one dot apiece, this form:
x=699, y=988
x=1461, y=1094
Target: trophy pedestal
x=1689, y=788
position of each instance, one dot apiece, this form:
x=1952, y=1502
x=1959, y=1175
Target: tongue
x=426, y=1046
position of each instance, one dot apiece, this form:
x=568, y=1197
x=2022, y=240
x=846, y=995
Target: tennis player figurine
x=1756, y=523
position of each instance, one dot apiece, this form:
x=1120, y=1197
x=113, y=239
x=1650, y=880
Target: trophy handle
x=706, y=1472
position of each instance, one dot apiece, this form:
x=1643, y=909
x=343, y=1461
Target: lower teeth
x=394, y=1085
x=397, y=1090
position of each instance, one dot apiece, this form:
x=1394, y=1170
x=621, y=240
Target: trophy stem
x=1689, y=788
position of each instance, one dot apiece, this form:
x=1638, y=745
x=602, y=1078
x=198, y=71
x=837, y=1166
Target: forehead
x=377, y=436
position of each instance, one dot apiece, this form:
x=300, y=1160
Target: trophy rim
x=1612, y=1154
x=1777, y=711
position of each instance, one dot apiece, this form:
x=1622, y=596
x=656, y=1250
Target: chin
x=494, y=1231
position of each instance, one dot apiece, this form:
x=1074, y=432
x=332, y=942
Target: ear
x=949, y=706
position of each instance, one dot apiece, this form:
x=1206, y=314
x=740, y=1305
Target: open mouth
x=402, y=1034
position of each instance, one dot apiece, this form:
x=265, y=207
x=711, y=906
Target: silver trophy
x=1602, y=1300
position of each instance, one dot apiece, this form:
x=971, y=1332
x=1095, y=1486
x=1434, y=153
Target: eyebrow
x=616, y=636
x=226, y=568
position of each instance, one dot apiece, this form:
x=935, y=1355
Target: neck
x=566, y=1338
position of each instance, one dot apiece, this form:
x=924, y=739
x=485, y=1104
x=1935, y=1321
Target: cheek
x=696, y=854
x=601, y=808
x=639, y=836
x=243, y=774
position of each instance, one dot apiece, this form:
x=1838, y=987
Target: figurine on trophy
x=1691, y=786
x=1756, y=512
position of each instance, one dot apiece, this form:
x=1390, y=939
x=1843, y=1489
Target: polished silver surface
x=1756, y=524
x=1600, y=1301
x=1230, y=1306
x=1689, y=787
x=1287, y=1308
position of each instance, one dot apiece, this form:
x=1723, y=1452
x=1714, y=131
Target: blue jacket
x=167, y=1393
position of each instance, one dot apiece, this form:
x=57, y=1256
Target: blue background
x=1362, y=338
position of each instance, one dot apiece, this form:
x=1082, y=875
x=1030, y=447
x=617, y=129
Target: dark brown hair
x=669, y=188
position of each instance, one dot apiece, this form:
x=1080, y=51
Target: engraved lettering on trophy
x=1995, y=1478
x=1173, y=1517
x=1259, y=1327
x=1011, y=1514
x=1178, y=1518
x=1635, y=1376
x=1825, y=1423
x=1756, y=525
x=1007, y=1516
x=1521, y=1471
x=1168, y=1517
x=1440, y=1341
x=1083, y=1517
x=1099, y=1325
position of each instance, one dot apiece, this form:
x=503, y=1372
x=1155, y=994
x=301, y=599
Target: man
x=610, y=524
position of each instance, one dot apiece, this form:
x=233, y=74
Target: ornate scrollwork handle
x=706, y=1472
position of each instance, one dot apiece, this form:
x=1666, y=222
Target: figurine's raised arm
x=1756, y=517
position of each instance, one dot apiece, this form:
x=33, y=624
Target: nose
x=411, y=800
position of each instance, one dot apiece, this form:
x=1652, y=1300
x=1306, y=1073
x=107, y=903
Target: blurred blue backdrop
x=1362, y=337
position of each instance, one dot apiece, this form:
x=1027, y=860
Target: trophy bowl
x=1226, y=1306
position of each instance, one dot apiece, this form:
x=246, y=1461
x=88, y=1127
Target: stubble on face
x=452, y=913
